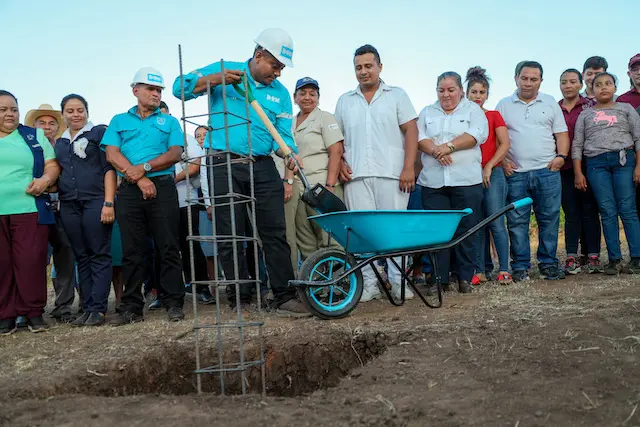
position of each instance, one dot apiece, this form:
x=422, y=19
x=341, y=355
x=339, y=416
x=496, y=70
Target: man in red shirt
x=633, y=96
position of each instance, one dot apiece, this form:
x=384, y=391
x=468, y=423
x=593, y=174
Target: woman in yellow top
x=320, y=146
x=27, y=168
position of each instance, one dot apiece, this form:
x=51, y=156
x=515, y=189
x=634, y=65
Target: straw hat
x=45, y=110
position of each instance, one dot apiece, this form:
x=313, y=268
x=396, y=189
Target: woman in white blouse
x=450, y=133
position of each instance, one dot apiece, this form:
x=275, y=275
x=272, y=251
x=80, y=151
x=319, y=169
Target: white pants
x=375, y=193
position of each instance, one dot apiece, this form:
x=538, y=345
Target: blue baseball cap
x=307, y=81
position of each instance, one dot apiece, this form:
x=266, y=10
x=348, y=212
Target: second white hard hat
x=278, y=43
x=149, y=76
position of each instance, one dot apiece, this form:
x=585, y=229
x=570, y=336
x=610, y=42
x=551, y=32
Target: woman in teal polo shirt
x=27, y=168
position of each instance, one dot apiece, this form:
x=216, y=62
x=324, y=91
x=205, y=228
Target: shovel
x=318, y=197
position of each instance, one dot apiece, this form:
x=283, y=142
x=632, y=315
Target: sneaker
x=504, y=278
x=292, y=308
x=370, y=292
x=7, y=326
x=206, y=298
x=396, y=289
x=80, y=321
x=126, y=318
x=520, y=276
x=572, y=266
x=175, y=314
x=37, y=324
x=613, y=268
x=21, y=322
x=551, y=272
x=594, y=265
x=464, y=287
x=634, y=266
x=95, y=319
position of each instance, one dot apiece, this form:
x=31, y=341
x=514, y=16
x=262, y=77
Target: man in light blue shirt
x=274, y=51
x=143, y=145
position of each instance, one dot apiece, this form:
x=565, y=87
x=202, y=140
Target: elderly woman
x=27, y=168
x=450, y=134
x=320, y=145
x=87, y=189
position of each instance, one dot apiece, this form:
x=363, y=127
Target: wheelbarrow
x=330, y=281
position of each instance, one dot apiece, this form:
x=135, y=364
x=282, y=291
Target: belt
x=234, y=156
x=157, y=178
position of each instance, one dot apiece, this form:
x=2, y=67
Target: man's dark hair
x=6, y=93
x=595, y=62
x=572, y=70
x=530, y=64
x=164, y=105
x=367, y=48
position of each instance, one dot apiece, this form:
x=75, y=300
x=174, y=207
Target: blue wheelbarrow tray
x=378, y=232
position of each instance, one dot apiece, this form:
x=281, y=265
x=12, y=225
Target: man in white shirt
x=380, y=148
x=539, y=148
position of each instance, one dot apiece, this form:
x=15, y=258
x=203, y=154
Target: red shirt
x=632, y=97
x=571, y=117
x=489, y=148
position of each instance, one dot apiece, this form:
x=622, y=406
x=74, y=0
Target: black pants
x=159, y=218
x=465, y=252
x=270, y=222
x=91, y=243
x=200, y=262
x=64, y=260
x=581, y=217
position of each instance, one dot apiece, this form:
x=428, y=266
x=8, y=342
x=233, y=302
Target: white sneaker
x=395, y=292
x=370, y=292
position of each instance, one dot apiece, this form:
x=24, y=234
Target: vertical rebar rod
x=192, y=266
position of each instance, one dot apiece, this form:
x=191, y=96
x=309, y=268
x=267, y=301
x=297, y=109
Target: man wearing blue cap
x=274, y=51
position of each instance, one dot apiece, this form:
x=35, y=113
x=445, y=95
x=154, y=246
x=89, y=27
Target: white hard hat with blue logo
x=278, y=43
x=148, y=76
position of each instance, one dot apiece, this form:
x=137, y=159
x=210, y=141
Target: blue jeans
x=545, y=188
x=495, y=198
x=615, y=193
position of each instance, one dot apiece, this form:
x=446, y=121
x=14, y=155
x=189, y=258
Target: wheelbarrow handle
x=286, y=150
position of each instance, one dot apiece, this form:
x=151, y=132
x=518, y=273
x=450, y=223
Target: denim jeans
x=545, y=188
x=615, y=192
x=495, y=198
x=581, y=217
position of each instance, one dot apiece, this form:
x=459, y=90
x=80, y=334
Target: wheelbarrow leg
x=383, y=287
x=437, y=278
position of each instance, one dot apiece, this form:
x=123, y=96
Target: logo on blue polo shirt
x=286, y=52
x=161, y=121
x=154, y=78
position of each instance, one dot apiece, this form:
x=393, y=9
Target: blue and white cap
x=307, y=81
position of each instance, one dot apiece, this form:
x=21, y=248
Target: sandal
x=505, y=279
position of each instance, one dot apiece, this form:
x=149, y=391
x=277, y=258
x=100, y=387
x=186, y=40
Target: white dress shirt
x=373, y=140
x=442, y=128
x=192, y=151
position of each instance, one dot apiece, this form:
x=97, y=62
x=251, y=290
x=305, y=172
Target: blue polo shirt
x=274, y=100
x=143, y=140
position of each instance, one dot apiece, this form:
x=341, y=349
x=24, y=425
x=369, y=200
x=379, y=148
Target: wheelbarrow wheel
x=330, y=302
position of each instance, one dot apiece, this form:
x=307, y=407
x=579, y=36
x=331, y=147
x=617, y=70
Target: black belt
x=234, y=156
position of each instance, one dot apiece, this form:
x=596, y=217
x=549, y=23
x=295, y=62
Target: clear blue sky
x=52, y=48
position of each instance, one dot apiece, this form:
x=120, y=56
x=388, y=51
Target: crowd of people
x=109, y=203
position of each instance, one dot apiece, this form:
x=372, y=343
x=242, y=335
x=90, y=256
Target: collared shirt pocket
x=162, y=132
x=459, y=125
x=434, y=128
x=129, y=132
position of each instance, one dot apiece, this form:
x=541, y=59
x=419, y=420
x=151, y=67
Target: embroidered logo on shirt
x=273, y=99
x=333, y=126
x=286, y=52
x=30, y=138
x=161, y=121
x=601, y=116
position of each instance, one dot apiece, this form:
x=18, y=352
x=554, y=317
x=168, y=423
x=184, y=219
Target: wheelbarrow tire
x=308, y=272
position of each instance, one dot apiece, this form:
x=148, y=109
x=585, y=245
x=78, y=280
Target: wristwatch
x=108, y=204
x=147, y=167
x=562, y=156
x=451, y=146
x=288, y=181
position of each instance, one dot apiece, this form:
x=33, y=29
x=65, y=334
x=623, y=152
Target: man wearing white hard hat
x=143, y=145
x=273, y=52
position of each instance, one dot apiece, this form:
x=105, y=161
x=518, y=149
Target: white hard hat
x=148, y=76
x=278, y=43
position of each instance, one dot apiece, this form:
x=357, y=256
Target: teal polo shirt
x=141, y=140
x=274, y=100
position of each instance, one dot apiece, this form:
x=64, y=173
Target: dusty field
x=534, y=354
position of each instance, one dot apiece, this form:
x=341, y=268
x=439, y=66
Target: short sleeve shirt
x=192, y=151
x=313, y=137
x=490, y=146
x=16, y=172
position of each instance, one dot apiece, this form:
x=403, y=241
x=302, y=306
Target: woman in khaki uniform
x=320, y=145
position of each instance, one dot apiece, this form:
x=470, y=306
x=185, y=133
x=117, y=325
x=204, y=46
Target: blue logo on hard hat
x=154, y=78
x=286, y=52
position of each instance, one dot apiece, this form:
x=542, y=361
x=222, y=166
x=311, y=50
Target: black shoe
x=95, y=319
x=613, y=268
x=126, y=318
x=551, y=272
x=446, y=287
x=520, y=276
x=66, y=318
x=80, y=321
x=37, y=324
x=292, y=308
x=21, y=322
x=634, y=266
x=206, y=298
x=175, y=314
x=464, y=287
x=7, y=326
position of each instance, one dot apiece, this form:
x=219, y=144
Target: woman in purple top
x=608, y=136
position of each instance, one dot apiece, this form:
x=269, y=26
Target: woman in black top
x=87, y=187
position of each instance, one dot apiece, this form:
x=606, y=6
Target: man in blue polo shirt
x=274, y=51
x=143, y=145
